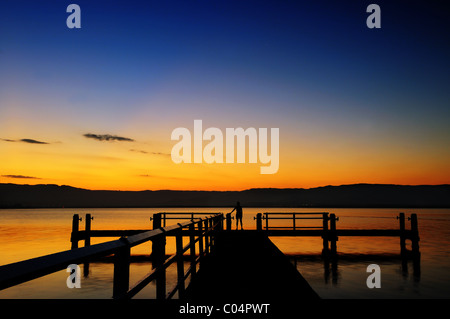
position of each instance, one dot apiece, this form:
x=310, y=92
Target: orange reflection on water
x=32, y=233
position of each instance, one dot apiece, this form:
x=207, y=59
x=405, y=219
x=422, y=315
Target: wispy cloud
x=139, y=151
x=159, y=153
x=20, y=177
x=168, y=177
x=151, y=153
x=25, y=140
x=31, y=141
x=108, y=137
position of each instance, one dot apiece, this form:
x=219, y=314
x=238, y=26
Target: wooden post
x=333, y=249
x=333, y=237
x=401, y=218
x=415, y=245
x=158, y=258
x=293, y=220
x=192, y=249
x=200, y=242
x=206, y=237
x=259, y=221
x=180, y=266
x=414, y=234
x=216, y=223
x=211, y=237
x=220, y=222
x=267, y=221
x=121, y=271
x=229, y=221
x=87, y=229
x=156, y=220
x=75, y=228
x=87, y=241
x=325, y=250
x=156, y=225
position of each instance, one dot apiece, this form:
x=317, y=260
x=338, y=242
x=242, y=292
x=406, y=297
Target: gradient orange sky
x=353, y=105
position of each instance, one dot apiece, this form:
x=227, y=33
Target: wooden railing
x=326, y=229
x=165, y=216
x=330, y=234
x=294, y=217
x=199, y=230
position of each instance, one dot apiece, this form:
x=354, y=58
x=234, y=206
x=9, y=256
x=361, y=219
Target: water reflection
x=331, y=264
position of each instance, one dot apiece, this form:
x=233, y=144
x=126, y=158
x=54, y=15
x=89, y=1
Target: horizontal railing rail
x=23, y=271
x=294, y=217
x=184, y=215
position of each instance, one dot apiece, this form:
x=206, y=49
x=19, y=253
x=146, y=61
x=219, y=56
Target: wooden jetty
x=241, y=265
x=330, y=233
x=247, y=266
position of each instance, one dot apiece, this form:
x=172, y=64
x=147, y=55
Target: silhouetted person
x=238, y=210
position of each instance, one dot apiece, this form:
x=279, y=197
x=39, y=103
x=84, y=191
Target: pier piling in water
x=401, y=219
x=259, y=221
x=228, y=221
x=414, y=235
x=87, y=241
x=75, y=228
x=325, y=239
x=332, y=237
x=158, y=258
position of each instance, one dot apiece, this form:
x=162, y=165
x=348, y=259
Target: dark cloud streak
x=167, y=177
x=25, y=140
x=31, y=141
x=139, y=151
x=20, y=177
x=108, y=137
x=151, y=153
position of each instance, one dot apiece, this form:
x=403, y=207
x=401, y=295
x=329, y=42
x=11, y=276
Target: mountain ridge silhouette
x=351, y=196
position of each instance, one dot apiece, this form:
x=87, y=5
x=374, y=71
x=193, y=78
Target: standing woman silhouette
x=238, y=210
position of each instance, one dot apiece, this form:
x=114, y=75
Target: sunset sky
x=352, y=104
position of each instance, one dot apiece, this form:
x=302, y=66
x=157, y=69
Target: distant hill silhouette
x=356, y=195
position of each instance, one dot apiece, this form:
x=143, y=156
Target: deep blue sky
x=127, y=48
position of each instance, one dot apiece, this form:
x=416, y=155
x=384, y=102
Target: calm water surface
x=32, y=233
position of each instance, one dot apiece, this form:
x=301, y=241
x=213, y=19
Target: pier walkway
x=246, y=265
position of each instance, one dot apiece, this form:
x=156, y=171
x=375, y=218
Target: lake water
x=30, y=233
